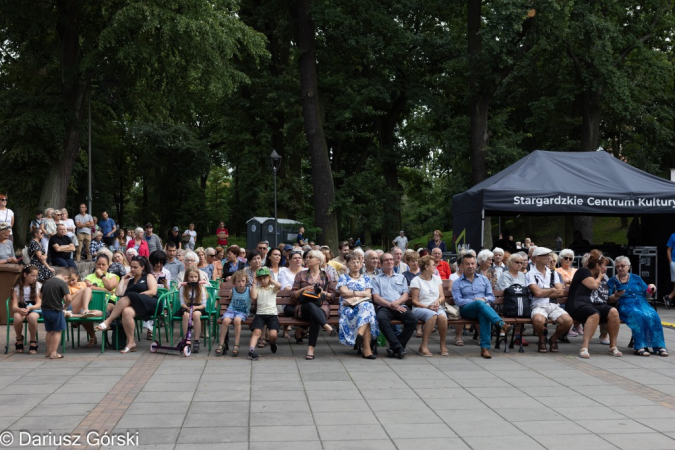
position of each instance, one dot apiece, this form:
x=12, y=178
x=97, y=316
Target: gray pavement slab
x=340, y=401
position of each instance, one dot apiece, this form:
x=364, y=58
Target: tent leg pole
x=482, y=228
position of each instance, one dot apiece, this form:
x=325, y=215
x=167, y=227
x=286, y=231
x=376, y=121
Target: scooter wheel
x=187, y=350
x=153, y=346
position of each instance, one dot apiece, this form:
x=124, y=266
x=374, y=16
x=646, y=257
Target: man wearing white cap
x=541, y=289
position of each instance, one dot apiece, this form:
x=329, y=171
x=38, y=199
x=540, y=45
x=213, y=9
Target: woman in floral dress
x=358, y=324
x=38, y=257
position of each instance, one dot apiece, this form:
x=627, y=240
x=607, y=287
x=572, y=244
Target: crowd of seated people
x=372, y=288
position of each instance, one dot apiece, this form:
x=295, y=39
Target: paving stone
x=521, y=442
x=621, y=426
x=212, y=434
x=431, y=444
x=642, y=441
x=382, y=444
x=164, y=420
x=541, y=427
x=349, y=418
x=355, y=433
x=339, y=405
x=419, y=430
x=567, y=441
x=283, y=433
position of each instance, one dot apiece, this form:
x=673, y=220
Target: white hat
x=541, y=251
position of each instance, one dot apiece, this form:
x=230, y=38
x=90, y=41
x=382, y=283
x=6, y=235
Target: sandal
x=542, y=347
x=19, y=344
x=459, y=342
x=444, y=352
x=615, y=352
x=641, y=352
x=92, y=342
x=148, y=336
x=33, y=349
x=553, y=346
x=583, y=353
x=220, y=350
x=662, y=352
x=309, y=357
x=424, y=353
x=262, y=343
x=101, y=327
x=235, y=350
x=128, y=349
x=57, y=356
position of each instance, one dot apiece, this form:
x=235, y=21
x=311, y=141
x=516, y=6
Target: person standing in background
x=6, y=215
x=83, y=222
x=192, y=240
x=222, y=234
x=108, y=228
x=401, y=241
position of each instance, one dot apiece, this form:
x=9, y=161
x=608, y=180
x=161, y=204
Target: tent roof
x=569, y=183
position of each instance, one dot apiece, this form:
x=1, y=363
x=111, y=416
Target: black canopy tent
x=561, y=183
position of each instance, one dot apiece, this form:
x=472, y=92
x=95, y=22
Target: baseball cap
x=175, y=228
x=288, y=247
x=263, y=272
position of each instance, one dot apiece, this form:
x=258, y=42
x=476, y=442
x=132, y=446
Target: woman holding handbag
x=313, y=290
x=358, y=324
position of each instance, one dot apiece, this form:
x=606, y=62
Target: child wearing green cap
x=266, y=311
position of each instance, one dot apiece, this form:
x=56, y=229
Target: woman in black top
x=138, y=298
x=582, y=309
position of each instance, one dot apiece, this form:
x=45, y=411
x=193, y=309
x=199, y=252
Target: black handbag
x=517, y=302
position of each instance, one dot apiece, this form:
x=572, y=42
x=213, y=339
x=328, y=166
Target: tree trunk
x=322, y=175
x=585, y=225
x=591, y=112
x=480, y=101
x=73, y=89
x=390, y=159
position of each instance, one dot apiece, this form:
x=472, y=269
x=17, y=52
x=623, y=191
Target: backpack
x=517, y=301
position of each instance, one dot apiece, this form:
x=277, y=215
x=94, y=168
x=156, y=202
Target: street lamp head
x=276, y=159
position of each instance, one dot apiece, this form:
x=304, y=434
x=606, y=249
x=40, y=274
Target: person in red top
x=222, y=234
x=139, y=243
x=442, y=266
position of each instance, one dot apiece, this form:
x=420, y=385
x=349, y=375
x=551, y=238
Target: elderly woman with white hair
x=485, y=268
x=631, y=293
x=191, y=260
x=314, y=280
x=129, y=254
x=566, y=271
x=139, y=244
x=498, y=261
x=96, y=244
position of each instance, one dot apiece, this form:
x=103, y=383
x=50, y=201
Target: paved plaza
x=165, y=401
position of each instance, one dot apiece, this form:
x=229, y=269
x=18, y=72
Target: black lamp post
x=276, y=163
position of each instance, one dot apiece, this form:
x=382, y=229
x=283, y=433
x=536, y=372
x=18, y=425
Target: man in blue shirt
x=390, y=292
x=108, y=228
x=472, y=292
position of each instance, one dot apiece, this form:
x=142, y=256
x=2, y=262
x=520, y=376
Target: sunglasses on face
x=567, y=258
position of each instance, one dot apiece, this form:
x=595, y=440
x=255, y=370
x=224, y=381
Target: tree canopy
x=380, y=109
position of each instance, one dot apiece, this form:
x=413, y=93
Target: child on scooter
x=237, y=311
x=266, y=312
x=197, y=297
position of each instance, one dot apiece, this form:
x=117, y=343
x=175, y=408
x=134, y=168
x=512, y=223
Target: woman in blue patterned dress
x=358, y=324
x=634, y=310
